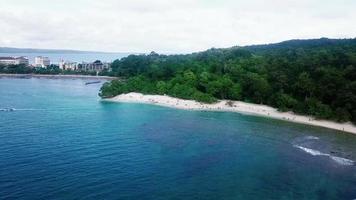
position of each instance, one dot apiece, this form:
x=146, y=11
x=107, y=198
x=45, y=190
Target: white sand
x=237, y=106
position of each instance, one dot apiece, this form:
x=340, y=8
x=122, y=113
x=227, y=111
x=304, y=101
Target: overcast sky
x=169, y=26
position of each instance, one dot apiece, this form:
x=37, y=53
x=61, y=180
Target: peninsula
x=315, y=79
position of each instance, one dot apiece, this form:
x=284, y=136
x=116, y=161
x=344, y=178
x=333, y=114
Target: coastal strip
x=230, y=106
x=56, y=76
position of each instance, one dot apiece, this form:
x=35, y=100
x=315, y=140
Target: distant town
x=44, y=62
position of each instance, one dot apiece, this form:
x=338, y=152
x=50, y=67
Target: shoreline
x=69, y=76
x=236, y=106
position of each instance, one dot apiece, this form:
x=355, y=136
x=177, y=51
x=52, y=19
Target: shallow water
x=58, y=141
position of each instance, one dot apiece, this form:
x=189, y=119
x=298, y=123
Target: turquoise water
x=61, y=142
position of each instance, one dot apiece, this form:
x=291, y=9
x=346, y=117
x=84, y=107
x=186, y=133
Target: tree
x=304, y=85
x=314, y=77
x=161, y=87
x=284, y=102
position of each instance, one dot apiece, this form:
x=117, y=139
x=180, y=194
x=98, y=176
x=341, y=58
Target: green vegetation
x=314, y=77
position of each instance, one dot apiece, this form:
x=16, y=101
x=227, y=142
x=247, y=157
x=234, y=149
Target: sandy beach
x=231, y=106
x=70, y=76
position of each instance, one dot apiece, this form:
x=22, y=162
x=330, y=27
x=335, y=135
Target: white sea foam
x=311, y=138
x=313, y=152
x=19, y=109
x=342, y=161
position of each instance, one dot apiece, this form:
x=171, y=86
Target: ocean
x=59, y=141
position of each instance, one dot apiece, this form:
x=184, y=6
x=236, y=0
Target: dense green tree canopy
x=314, y=77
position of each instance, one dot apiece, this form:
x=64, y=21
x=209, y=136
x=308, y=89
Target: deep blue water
x=61, y=142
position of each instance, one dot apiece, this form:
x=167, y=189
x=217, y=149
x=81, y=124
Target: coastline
x=54, y=76
x=236, y=106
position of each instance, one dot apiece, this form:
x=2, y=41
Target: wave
x=342, y=161
x=304, y=139
x=311, y=138
x=7, y=109
x=27, y=109
x=313, y=152
x=18, y=109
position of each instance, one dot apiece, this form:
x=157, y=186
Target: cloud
x=169, y=26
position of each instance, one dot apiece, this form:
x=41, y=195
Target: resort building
x=22, y=60
x=95, y=66
x=8, y=60
x=65, y=65
x=41, y=61
x=14, y=60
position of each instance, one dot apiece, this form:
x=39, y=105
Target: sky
x=169, y=26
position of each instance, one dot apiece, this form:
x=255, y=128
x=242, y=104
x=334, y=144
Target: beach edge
x=230, y=106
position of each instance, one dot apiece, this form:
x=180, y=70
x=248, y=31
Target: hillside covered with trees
x=314, y=77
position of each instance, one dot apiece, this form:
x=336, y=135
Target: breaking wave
x=342, y=161
x=15, y=109
x=311, y=138
x=305, y=139
x=313, y=152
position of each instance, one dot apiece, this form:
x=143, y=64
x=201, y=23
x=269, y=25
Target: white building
x=65, y=65
x=8, y=60
x=95, y=66
x=23, y=60
x=14, y=60
x=41, y=61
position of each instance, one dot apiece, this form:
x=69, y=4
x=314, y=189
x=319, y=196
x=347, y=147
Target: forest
x=312, y=77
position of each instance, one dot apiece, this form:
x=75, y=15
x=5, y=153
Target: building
x=23, y=60
x=96, y=66
x=65, y=65
x=14, y=60
x=8, y=60
x=41, y=61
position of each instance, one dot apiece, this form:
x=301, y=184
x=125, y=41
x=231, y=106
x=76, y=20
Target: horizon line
x=164, y=52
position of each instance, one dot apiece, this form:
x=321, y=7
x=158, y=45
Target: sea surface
x=70, y=57
x=59, y=141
